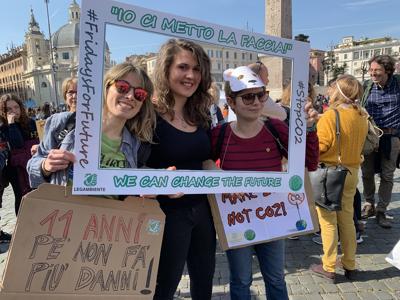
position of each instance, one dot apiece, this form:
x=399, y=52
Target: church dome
x=67, y=36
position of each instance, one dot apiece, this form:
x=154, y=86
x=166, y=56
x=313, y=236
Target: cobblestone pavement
x=377, y=279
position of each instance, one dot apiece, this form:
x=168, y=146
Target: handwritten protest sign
x=89, y=178
x=253, y=218
x=81, y=246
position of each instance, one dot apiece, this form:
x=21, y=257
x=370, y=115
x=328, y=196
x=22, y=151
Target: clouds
x=357, y=4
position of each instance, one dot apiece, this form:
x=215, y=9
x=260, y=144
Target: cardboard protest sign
x=254, y=218
x=74, y=247
x=89, y=178
x=40, y=128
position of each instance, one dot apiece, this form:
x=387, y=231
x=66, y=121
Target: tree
x=302, y=38
x=338, y=70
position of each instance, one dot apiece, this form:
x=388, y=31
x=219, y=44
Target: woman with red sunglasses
x=128, y=122
x=182, y=78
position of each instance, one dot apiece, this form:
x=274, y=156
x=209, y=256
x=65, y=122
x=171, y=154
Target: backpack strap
x=275, y=135
x=143, y=154
x=220, y=140
x=69, y=125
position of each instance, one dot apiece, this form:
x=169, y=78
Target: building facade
x=12, y=67
x=35, y=71
x=355, y=54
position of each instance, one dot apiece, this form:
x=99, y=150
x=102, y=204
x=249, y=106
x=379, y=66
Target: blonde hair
x=66, y=84
x=142, y=125
x=346, y=90
x=196, y=109
x=214, y=92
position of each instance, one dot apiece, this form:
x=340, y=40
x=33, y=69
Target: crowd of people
x=175, y=122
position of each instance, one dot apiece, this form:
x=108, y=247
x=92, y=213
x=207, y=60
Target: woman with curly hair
x=182, y=78
x=21, y=134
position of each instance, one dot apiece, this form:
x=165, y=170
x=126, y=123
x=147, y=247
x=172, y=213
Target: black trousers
x=189, y=236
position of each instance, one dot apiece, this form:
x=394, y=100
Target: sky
x=325, y=22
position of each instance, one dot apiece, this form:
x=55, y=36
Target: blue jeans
x=271, y=257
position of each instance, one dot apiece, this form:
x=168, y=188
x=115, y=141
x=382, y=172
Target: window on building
x=356, y=55
x=235, y=55
x=44, y=85
x=377, y=52
x=227, y=66
x=388, y=51
x=219, y=66
x=243, y=56
x=235, y=66
x=345, y=56
x=227, y=54
x=251, y=56
x=65, y=55
x=366, y=54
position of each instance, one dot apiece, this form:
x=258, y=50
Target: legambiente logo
x=90, y=179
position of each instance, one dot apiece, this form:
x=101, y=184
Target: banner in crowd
x=89, y=178
x=82, y=247
x=252, y=218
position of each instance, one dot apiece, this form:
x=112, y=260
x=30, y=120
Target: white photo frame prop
x=90, y=179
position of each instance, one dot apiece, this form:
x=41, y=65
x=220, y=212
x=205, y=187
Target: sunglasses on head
x=250, y=98
x=124, y=87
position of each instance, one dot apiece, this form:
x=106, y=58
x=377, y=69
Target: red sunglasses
x=123, y=87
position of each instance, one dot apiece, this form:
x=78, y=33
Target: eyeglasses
x=124, y=87
x=71, y=92
x=249, y=99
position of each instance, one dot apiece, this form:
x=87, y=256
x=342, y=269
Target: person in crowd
x=345, y=97
x=243, y=148
x=271, y=108
x=215, y=111
x=21, y=135
x=381, y=99
x=128, y=121
x=287, y=93
x=69, y=91
x=44, y=112
x=4, y=152
x=182, y=78
x=225, y=111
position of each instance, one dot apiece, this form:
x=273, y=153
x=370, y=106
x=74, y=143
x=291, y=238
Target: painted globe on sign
x=249, y=235
x=301, y=225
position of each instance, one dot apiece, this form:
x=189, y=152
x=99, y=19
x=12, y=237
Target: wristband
x=44, y=171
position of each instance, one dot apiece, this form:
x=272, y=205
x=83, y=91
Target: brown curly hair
x=23, y=119
x=196, y=109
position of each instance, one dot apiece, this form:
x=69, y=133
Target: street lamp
x=53, y=65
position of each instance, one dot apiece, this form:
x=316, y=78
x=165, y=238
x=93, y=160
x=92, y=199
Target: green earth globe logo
x=249, y=235
x=295, y=183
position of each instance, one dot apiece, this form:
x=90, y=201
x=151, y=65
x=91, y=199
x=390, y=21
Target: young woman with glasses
x=182, y=78
x=128, y=120
x=248, y=145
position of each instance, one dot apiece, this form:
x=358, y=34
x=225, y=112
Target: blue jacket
x=56, y=123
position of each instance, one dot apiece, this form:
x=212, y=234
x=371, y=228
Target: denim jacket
x=54, y=124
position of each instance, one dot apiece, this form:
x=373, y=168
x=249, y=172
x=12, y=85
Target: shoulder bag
x=328, y=181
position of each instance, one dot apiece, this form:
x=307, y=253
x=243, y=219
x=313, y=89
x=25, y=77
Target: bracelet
x=44, y=171
x=312, y=128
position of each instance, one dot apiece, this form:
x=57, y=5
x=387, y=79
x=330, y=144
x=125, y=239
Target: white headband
x=345, y=97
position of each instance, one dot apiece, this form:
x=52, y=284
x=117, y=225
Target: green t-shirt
x=111, y=155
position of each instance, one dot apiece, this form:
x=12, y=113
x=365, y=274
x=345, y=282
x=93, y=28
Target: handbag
x=372, y=140
x=328, y=181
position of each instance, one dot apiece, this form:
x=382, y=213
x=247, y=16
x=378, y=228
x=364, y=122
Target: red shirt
x=261, y=152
